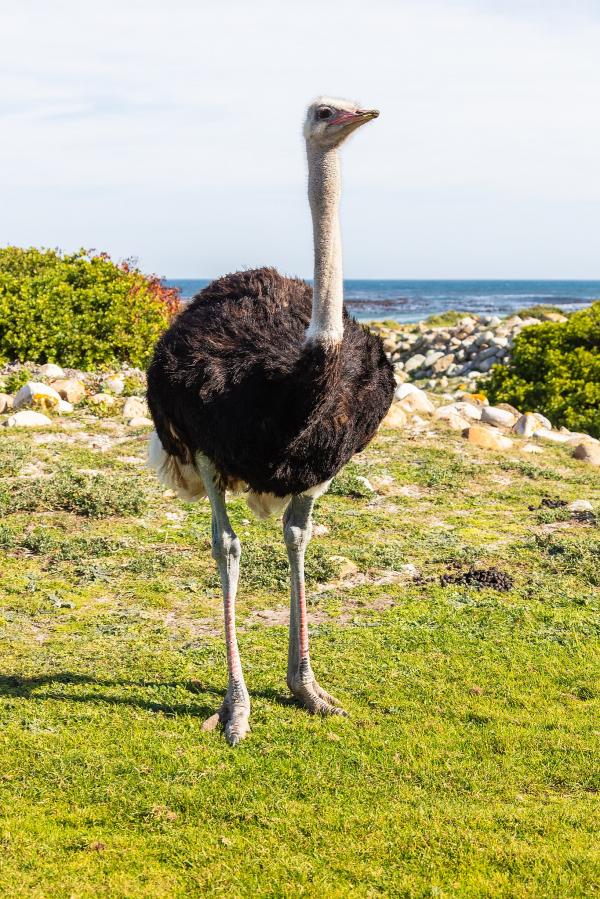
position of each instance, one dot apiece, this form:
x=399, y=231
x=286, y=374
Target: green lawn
x=469, y=765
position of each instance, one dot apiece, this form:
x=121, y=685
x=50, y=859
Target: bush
x=555, y=369
x=79, y=310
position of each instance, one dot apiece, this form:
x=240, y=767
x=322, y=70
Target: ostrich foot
x=314, y=698
x=233, y=716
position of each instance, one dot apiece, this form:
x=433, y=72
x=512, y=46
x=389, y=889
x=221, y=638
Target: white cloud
x=172, y=132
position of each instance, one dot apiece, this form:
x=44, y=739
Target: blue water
x=409, y=301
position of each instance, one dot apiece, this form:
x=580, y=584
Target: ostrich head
x=329, y=122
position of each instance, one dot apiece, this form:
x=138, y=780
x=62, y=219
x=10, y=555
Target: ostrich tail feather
x=182, y=477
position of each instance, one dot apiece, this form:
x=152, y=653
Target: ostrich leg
x=297, y=530
x=226, y=550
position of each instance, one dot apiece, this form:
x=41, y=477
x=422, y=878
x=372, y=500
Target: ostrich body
x=264, y=385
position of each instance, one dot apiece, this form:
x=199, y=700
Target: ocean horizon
x=413, y=300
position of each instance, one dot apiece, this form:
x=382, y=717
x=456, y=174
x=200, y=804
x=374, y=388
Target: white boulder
x=35, y=392
x=50, y=370
x=500, y=418
x=28, y=419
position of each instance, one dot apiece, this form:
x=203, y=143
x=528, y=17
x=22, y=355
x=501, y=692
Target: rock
x=588, y=452
x=456, y=421
x=417, y=401
x=551, y=436
x=27, y=419
x=500, y=418
x=469, y=409
x=396, y=417
x=553, y=317
x=140, y=421
x=543, y=420
x=431, y=357
x=115, y=384
x=488, y=438
x=580, y=505
x=134, y=408
x=64, y=408
x=526, y=425
x=444, y=363
x=365, y=482
x=320, y=530
x=509, y=408
x=531, y=448
x=404, y=390
x=70, y=389
x=50, y=370
x=102, y=399
x=6, y=402
x=35, y=392
x=414, y=363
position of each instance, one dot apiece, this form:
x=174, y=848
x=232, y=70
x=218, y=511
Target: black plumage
x=234, y=378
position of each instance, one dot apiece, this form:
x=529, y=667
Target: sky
x=171, y=131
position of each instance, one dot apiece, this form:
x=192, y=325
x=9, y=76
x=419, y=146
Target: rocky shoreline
x=447, y=354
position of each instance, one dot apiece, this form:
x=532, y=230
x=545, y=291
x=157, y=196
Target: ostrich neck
x=324, y=184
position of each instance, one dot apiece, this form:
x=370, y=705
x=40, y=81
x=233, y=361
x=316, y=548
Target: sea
x=411, y=301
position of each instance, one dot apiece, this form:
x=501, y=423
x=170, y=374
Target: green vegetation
x=445, y=319
x=78, y=309
x=555, y=369
x=538, y=310
x=469, y=765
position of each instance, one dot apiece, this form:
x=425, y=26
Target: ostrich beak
x=355, y=117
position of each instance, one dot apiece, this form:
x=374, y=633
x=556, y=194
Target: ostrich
x=266, y=386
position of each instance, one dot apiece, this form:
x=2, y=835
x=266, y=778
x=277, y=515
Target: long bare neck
x=324, y=185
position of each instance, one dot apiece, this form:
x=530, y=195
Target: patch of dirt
x=479, y=578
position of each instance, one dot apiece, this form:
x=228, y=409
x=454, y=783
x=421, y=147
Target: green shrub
x=80, y=310
x=555, y=369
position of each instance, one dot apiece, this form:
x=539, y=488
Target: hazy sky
x=170, y=130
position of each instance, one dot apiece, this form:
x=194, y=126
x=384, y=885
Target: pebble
x=500, y=418
x=588, y=452
x=50, y=370
x=580, y=505
x=320, y=530
x=488, y=438
x=27, y=419
x=70, y=389
x=64, y=408
x=531, y=448
x=35, y=391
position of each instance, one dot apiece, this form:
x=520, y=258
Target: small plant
x=15, y=380
x=348, y=483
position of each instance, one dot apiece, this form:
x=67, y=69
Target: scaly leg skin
x=226, y=549
x=297, y=530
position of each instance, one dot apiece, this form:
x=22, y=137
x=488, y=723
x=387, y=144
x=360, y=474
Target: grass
x=469, y=766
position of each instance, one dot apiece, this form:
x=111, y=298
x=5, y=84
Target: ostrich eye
x=324, y=113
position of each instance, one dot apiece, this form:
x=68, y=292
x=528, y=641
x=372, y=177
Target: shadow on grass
x=27, y=687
